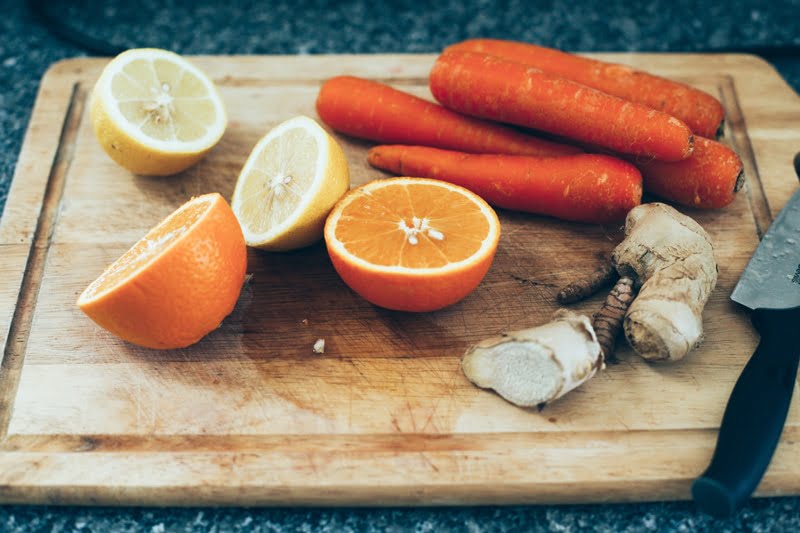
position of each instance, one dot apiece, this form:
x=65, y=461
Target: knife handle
x=754, y=417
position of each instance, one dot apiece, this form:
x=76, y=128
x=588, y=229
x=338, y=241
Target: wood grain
x=250, y=415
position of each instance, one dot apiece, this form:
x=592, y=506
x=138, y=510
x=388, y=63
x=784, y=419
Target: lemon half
x=155, y=113
x=294, y=176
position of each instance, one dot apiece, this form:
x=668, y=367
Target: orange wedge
x=412, y=244
x=177, y=283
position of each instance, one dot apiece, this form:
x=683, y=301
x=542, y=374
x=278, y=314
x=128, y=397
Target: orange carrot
x=377, y=112
x=583, y=188
x=708, y=179
x=494, y=88
x=699, y=110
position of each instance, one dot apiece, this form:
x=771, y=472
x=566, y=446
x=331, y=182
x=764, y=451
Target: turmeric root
x=607, y=322
x=583, y=288
x=671, y=258
x=535, y=366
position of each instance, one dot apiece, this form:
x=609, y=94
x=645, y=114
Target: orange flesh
x=151, y=245
x=412, y=225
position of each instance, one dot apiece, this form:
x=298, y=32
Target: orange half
x=412, y=244
x=177, y=283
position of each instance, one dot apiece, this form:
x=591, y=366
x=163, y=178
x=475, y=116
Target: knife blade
x=756, y=411
x=771, y=279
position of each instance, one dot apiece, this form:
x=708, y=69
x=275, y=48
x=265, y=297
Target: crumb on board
x=304, y=322
x=319, y=346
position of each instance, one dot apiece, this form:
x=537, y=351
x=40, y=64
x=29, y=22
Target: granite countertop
x=358, y=26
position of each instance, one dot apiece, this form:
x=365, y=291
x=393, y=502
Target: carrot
x=377, y=112
x=699, y=110
x=708, y=179
x=583, y=188
x=494, y=88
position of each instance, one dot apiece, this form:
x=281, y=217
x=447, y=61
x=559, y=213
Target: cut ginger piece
x=412, y=244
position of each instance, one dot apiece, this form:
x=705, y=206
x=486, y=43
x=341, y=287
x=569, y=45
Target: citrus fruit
x=294, y=176
x=177, y=283
x=155, y=113
x=412, y=244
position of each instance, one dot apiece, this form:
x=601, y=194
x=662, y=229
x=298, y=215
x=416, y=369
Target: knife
x=757, y=408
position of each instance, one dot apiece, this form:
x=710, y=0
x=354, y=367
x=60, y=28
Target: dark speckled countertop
x=357, y=26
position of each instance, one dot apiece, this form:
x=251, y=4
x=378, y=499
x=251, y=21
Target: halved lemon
x=291, y=181
x=155, y=113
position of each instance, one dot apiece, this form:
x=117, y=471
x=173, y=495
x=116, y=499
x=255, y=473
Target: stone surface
x=358, y=26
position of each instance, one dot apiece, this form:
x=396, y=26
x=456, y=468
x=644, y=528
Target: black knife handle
x=754, y=417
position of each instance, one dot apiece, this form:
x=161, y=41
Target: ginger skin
x=671, y=258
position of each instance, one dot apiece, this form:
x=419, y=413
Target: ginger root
x=671, y=258
x=667, y=256
x=535, y=366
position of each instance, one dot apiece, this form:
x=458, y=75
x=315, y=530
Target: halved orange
x=412, y=244
x=178, y=282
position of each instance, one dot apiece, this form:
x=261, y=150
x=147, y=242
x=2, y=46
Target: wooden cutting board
x=252, y=416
